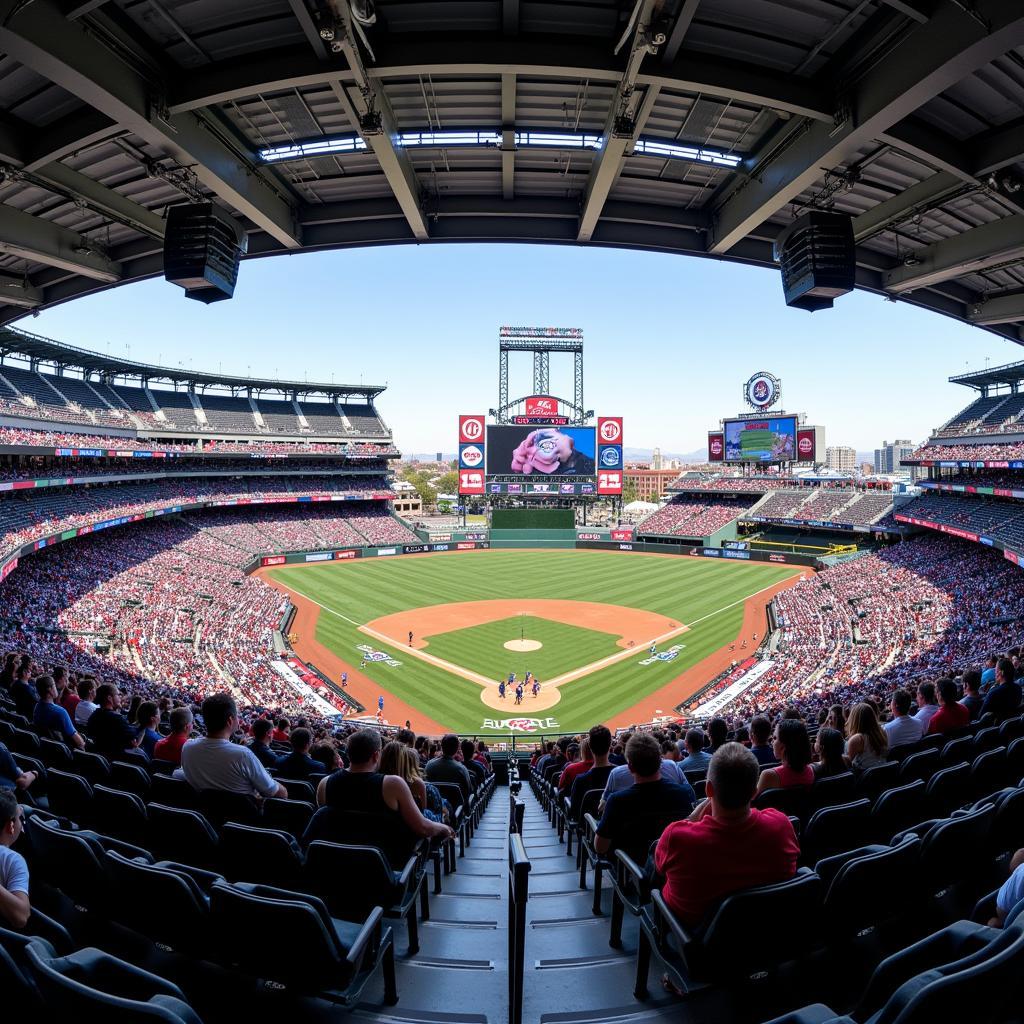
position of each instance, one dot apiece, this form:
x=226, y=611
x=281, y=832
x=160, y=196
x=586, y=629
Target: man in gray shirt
x=903, y=729
x=446, y=769
x=214, y=762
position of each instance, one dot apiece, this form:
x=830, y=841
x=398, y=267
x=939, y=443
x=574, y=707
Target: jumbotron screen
x=772, y=439
x=539, y=451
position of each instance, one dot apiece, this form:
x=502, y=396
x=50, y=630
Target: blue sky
x=669, y=339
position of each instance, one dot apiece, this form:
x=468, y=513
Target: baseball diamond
x=596, y=614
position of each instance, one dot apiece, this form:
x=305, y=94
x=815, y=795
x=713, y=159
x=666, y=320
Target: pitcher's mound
x=523, y=645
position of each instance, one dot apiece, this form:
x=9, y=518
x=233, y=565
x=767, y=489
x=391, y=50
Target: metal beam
x=378, y=127
x=508, y=136
x=38, y=36
x=995, y=149
x=925, y=195
x=490, y=56
x=930, y=58
x=908, y=9
x=1002, y=309
x=43, y=241
x=16, y=291
x=510, y=17
x=987, y=246
x=687, y=10
x=621, y=125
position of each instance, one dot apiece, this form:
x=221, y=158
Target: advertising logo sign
x=566, y=488
x=762, y=390
x=668, y=655
x=319, y=556
x=439, y=547
x=609, y=429
x=610, y=456
x=387, y=551
x=471, y=481
x=609, y=482
x=519, y=724
x=622, y=534
x=471, y=429
x=495, y=488
x=716, y=447
x=588, y=536
x=541, y=407
x=272, y=560
x=471, y=456
x=776, y=558
x=515, y=488
x=540, y=488
x=377, y=657
x=414, y=549
x=805, y=445
x=625, y=547
x=586, y=488
x=465, y=546
x=342, y=555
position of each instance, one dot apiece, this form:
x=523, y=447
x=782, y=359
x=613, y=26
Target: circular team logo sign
x=716, y=446
x=762, y=390
x=611, y=431
x=473, y=429
x=472, y=456
x=610, y=457
x=806, y=446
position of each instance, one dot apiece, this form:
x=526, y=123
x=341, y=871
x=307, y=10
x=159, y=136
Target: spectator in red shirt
x=280, y=733
x=951, y=715
x=725, y=845
x=575, y=768
x=169, y=748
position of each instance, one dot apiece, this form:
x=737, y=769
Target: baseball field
x=612, y=637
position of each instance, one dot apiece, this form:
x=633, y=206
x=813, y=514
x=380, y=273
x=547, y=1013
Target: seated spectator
x=726, y=845
x=634, y=817
x=1011, y=892
x=86, y=701
x=445, y=768
x=260, y=745
x=866, y=742
x=793, y=751
x=902, y=729
x=67, y=698
x=22, y=691
x=697, y=758
x=828, y=746
x=401, y=760
x=364, y=789
x=572, y=771
x=836, y=719
x=988, y=673
x=147, y=718
x=214, y=762
x=483, y=756
x=477, y=772
x=927, y=706
x=15, y=908
x=972, y=698
x=718, y=733
x=280, y=733
x=599, y=740
x=1003, y=700
x=298, y=764
x=951, y=715
x=761, y=740
x=50, y=719
x=621, y=776
x=109, y=731
x=169, y=748
x=11, y=776
x=326, y=756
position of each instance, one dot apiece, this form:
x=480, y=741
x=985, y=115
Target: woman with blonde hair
x=866, y=742
x=398, y=759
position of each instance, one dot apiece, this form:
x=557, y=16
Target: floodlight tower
x=541, y=342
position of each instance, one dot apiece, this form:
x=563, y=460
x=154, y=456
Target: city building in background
x=841, y=458
x=889, y=458
x=650, y=483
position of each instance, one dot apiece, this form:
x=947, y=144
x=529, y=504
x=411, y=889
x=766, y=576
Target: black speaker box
x=817, y=256
x=202, y=249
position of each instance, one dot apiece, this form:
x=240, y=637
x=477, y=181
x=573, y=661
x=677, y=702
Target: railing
x=518, y=894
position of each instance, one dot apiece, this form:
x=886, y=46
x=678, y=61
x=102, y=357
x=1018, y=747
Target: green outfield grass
x=482, y=648
x=703, y=593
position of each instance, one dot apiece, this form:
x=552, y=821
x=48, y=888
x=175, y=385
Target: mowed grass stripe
x=683, y=589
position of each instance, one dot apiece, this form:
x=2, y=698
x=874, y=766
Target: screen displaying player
x=540, y=451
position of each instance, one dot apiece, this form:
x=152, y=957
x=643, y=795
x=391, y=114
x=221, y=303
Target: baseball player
x=501, y=688
x=654, y=650
x=410, y=638
x=536, y=686
x=344, y=680
x=519, y=693
x=380, y=703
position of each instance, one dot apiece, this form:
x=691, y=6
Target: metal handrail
x=518, y=895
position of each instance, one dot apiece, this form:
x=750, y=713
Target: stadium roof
x=686, y=126
x=1008, y=373
x=34, y=348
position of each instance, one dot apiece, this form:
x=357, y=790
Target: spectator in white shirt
x=86, y=703
x=927, y=705
x=14, y=904
x=903, y=729
x=214, y=762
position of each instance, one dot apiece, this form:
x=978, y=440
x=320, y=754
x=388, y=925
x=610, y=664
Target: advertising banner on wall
x=609, y=430
x=609, y=455
x=609, y=482
x=540, y=407
x=471, y=429
x=471, y=481
x=806, y=439
x=716, y=446
x=472, y=449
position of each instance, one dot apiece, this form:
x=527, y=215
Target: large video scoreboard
x=540, y=454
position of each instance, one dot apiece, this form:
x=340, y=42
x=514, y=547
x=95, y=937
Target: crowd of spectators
x=692, y=517
x=994, y=452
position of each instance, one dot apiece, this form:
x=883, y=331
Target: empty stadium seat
x=263, y=855
x=179, y=834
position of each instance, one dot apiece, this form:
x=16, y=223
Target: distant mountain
x=646, y=454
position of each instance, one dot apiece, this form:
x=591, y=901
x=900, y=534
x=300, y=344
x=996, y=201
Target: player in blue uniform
x=501, y=689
